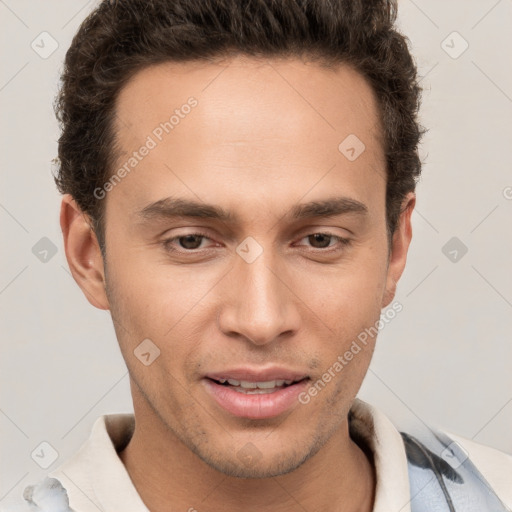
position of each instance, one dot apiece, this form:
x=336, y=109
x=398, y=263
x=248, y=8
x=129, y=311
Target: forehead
x=291, y=91
x=255, y=124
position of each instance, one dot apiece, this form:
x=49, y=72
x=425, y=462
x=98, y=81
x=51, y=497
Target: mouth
x=259, y=387
x=255, y=395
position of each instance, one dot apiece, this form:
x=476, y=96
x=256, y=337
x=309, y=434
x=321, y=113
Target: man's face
x=271, y=287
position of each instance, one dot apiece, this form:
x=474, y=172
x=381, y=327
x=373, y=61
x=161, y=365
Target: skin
x=263, y=137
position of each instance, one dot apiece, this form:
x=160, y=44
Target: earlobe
x=83, y=252
x=399, y=247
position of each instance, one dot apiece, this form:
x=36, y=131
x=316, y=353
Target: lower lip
x=255, y=406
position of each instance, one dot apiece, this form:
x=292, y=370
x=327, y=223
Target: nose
x=258, y=302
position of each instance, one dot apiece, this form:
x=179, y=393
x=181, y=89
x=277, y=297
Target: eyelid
x=166, y=242
x=342, y=241
x=327, y=233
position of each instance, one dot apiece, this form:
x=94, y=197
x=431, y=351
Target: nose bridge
x=259, y=305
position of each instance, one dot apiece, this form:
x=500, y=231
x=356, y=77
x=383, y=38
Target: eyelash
x=342, y=243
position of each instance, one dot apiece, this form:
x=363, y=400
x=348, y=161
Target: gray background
x=446, y=357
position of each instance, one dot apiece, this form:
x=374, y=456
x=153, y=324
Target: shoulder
x=431, y=464
x=46, y=496
x=83, y=481
x=494, y=465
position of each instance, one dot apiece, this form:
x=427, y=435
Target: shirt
x=96, y=479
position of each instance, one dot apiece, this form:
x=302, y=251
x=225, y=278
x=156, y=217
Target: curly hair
x=121, y=37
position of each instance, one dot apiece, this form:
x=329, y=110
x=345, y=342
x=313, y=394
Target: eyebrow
x=170, y=207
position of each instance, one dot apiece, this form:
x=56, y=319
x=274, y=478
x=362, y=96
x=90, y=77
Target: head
x=293, y=130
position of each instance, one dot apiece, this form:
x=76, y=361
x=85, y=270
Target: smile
x=248, y=387
x=255, y=397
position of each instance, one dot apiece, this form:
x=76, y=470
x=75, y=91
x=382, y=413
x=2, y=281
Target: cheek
x=346, y=298
x=167, y=305
x=156, y=298
x=177, y=304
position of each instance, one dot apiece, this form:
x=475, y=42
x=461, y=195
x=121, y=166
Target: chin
x=261, y=468
x=249, y=462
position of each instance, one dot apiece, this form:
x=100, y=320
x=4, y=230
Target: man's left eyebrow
x=328, y=208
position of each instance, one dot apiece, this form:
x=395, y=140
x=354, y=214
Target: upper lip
x=257, y=375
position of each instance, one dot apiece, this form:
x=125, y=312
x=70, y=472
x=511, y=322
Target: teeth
x=249, y=385
x=245, y=391
x=269, y=384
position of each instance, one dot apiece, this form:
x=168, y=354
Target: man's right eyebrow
x=170, y=207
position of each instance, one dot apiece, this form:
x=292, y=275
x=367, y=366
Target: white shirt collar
x=390, y=460
x=96, y=479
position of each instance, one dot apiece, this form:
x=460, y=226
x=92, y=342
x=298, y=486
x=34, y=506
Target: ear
x=399, y=247
x=83, y=252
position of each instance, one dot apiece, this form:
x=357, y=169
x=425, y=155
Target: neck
x=169, y=477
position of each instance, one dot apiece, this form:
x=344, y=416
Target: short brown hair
x=121, y=37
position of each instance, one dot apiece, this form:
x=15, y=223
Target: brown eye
x=190, y=241
x=186, y=243
x=325, y=243
x=320, y=240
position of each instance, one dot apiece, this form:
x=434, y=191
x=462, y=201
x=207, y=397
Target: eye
x=186, y=243
x=323, y=241
x=191, y=242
